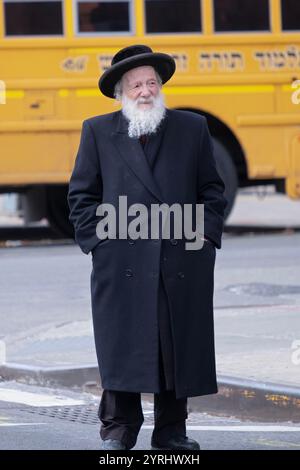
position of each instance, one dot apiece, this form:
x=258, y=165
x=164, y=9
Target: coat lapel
x=140, y=161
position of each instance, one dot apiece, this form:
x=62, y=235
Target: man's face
x=140, y=85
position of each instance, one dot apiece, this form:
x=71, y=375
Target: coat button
x=129, y=273
x=131, y=242
x=165, y=258
x=155, y=240
x=154, y=275
x=173, y=241
x=180, y=275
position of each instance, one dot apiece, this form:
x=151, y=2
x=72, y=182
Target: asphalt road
x=46, y=318
x=33, y=418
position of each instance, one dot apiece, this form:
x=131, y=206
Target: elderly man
x=152, y=299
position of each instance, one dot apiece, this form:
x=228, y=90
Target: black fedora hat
x=135, y=56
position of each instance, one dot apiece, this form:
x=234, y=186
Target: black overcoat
x=180, y=168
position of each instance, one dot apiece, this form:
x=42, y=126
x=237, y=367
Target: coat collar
x=140, y=161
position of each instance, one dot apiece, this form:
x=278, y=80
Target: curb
x=238, y=397
x=51, y=376
x=244, y=398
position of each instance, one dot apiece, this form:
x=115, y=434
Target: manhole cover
x=87, y=414
x=79, y=414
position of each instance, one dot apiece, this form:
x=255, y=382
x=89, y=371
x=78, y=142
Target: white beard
x=143, y=121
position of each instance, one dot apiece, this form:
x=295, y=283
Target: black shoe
x=112, y=444
x=179, y=443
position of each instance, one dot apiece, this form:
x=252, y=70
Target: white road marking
x=36, y=399
x=257, y=428
x=21, y=424
x=285, y=444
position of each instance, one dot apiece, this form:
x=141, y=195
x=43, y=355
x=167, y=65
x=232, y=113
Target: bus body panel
x=242, y=80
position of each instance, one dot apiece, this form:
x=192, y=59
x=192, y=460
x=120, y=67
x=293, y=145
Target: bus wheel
x=58, y=210
x=227, y=171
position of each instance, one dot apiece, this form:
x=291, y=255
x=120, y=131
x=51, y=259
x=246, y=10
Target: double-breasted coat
x=178, y=166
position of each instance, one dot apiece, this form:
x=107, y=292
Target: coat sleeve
x=85, y=191
x=210, y=189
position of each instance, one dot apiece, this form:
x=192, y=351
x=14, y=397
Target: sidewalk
x=262, y=207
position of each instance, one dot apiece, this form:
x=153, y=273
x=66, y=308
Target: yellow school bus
x=238, y=63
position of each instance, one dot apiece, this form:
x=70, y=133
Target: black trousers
x=121, y=413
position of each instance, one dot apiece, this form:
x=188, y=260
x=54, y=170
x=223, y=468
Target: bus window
x=33, y=18
x=107, y=16
x=241, y=15
x=173, y=16
x=290, y=11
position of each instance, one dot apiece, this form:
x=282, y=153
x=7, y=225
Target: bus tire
x=58, y=210
x=228, y=173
